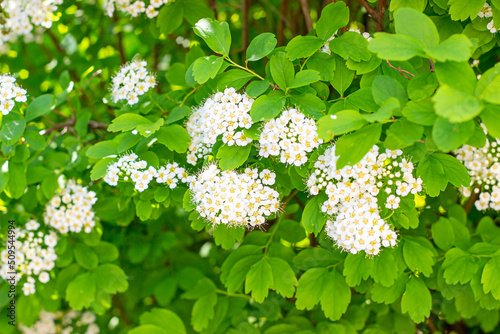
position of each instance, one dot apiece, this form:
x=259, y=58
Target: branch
x=307, y=14
x=70, y=123
x=431, y=63
x=244, y=29
x=400, y=70
x=470, y=202
x=123, y=314
x=369, y=9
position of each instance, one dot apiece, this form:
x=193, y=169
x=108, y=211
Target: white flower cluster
x=134, y=7
x=491, y=27
x=23, y=15
x=227, y=197
x=129, y=168
x=291, y=137
x=485, y=11
x=326, y=47
x=484, y=169
x=34, y=256
x=70, y=210
x=225, y=114
x=132, y=81
x=10, y=93
x=353, y=197
x=63, y=323
x=183, y=41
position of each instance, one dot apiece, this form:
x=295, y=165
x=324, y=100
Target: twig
x=307, y=14
x=120, y=48
x=244, y=26
x=431, y=63
x=123, y=313
x=470, y=202
x=68, y=124
x=400, y=70
x=380, y=15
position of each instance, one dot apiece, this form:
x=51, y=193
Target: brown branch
x=379, y=15
x=119, y=46
x=54, y=39
x=431, y=63
x=123, y=313
x=282, y=22
x=400, y=70
x=70, y=123
x=307, y=14
x=470, y=202
x=245, y=4
x=369, y=9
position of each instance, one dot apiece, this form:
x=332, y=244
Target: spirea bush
x=209, y=166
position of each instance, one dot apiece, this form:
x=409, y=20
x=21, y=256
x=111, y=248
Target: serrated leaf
x=417, y=300
x=80, y=292
x=456, y=106
x=352, y=147
x=259, y=280
x=459, y=266
x=231, y=157
x=110, y=278
x=342, y=122
x=491, y=277
x=406, y=20
x=174, y=137
x=205, y=68
x=313, y=219
x=310, y=288
x=336, y=296
x=284, y=280
x=419, y=255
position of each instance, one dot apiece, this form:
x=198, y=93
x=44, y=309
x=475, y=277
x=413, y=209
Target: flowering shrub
x=255, y=166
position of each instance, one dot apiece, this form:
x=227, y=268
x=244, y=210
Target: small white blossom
x=10, y=93
x=132, y=81
x=134, y=7
x=63, y=322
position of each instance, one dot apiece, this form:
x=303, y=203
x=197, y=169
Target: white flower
x=134, y=7
x=291, y=137
x=70, y=210
x=230, y=198
x=223, y=114
x=132, y=81
x=485, y=11
x=64, y=322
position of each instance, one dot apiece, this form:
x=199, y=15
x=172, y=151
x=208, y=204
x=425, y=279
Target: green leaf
x=313, y=219
x=215, y=34
x=35, y=140
x=490, y=116
x=256, y=88
x=170, y=17
x=127, y=122
x=203, y=287
x=491, y=276
x=324, y=64
x=342, y=77
x=352, y=147
x=291, y=231
x=389, y=295
x=282, y=70
x=27, y=309
x=227, y=236
x=102, y=149
x=315, y=257
x=284, y=280
x=17, y=179
x=333, y=17
x=418, y=5
x=421, y=112
x=455, y=48
x=384, y=271
x=342, y=122
x=356, y=268
x=456, y=106
x=261, y=46
x=12, y=129
x=259, y=280
x=488, y=86
x=351, y=45
x=205, y=68
x=304, y=78
x=203, y=311
x=239, y=271
x=236, y=255
x=267, y=107
x=419, y=255
x=450, y=136
x=459, y=266
x=395, y=47
x=303, y=47
x=309, y=104
x=457, y=75
x=42, y=105
x=417, y=300
x=234, y=78
x=110, y=278
x=442, y=234
x=100, y=168
x=174, y=137
x=148, y=329
x=165, y=319
x=80, y=292
x=106, y=251
x=403, y=133
x=437, y=169
x=232, y=157
x=336, y=296
x=422, y=86
x=385, y=87
x=310, y=288
x=463, y=9
x=85, y=256
x=177, y=113
x=416, y=25
x=385, y=111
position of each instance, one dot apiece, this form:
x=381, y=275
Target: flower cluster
x=132, y=81
x=23, y=15
x=34, y=256
x=225, y=114
x=134, y=7
x=291, y=137
x=227, y=197
x=484, y=169
x=10, y=93
x=63, y=322
x=486, y=12
x=128, y=167
x=70, y=210
x=354, y=193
